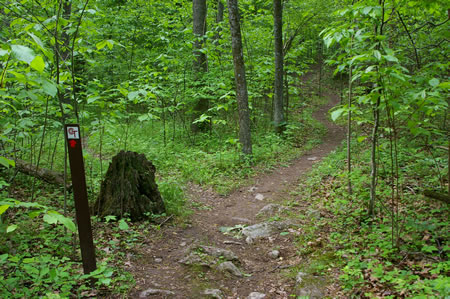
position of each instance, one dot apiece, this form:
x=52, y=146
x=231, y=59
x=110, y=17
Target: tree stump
x=129, y=188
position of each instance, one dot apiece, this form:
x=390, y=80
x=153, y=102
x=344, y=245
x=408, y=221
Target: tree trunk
x=278, y=114
x=239, y=75
x=129, y=188
x=373, y=159
x=47, y=175
x=220, y=10
x=200, y=60
x=199, y=28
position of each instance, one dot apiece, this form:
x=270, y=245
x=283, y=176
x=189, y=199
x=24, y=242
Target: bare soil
x=158, y=267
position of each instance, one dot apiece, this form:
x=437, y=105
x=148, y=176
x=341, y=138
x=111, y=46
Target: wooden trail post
x=73, y=137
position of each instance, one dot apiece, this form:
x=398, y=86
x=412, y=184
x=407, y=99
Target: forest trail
x=268, y=265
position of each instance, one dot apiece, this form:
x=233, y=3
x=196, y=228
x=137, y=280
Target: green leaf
x=445, y=85
x=3, y=209
x=3, y=257
x=434, y=82
x=49, y=88
x=7, y=162
x=377, y=54
x=104, y=43
x=337, y=113
x=391, y=58
x=362, y=138
x=67, y=222
x=11, y=228
x=123, y=225
x=92, y=99
x=34, y=214
x=132, y=95
x=366, y=10
x=50, y=218
x=284, y=233
x=38, y=64
x=110, y=44
x=143, y=117
x=23, y=53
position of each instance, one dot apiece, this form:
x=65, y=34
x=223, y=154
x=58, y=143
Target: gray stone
x=201, y=255
x=259, y=196
x=310, y=286
x=311, y=291
x=312, y=159
x=271, y=209
x=263, y=230
x=213, y=293
x=195, y=259
x=274, y=254
x=256, y=295
x=151, y=292
x=158, y=260
x=252, y=189
x=219, y=253
x=299, y=277
x=230, y=268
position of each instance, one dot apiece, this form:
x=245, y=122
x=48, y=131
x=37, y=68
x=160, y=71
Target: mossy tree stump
x=129, y=188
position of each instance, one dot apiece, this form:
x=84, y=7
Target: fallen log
x=44, y=174
x=437, y=195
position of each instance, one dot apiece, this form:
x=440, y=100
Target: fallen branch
x=437, y=195
x=46, y=175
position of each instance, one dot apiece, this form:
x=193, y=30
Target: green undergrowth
x=367, y=257
x=213, y=158
x=38, y=258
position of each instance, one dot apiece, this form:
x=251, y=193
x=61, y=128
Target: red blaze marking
x=73, y=143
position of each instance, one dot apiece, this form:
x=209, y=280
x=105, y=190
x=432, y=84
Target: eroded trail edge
x=216, y=257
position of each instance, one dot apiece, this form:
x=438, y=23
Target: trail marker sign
x=83, y=216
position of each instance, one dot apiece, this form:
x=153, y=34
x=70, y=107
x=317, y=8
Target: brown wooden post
x=73, y=136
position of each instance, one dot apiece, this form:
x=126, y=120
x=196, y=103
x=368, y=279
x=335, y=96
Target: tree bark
x=437, y=195
x=200, y=65
x=240, y=79
x=199, y=28
x=46, y=175
x=278, y=113
x=220, y=10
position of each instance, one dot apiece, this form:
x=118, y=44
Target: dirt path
x=158, y=272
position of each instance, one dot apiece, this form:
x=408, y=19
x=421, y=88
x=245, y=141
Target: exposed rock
x=158, y=260
x=311, y=291
x=274, y=254
x=256, y=295
x=252, y=189
x=263, y=230
x=230, y=268
x=271, y=209
x=259, y=196
x=299, y=277
x=310, y=286
x=207, y=255
x=194, y=258
x=213, y=293
x=220, y=253
x=151, y=292
x=312, y=159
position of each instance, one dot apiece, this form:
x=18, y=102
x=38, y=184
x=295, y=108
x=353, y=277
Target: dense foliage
x=125, y=70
